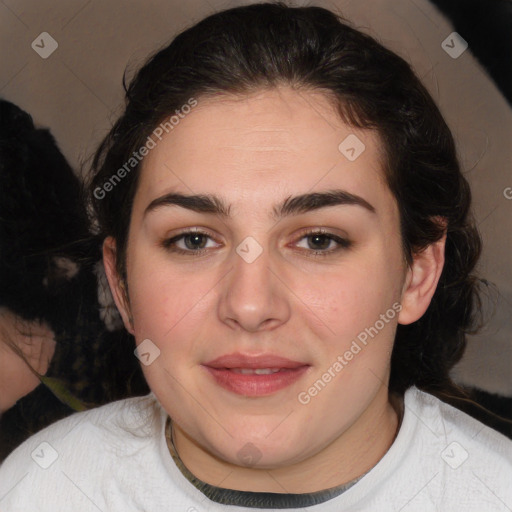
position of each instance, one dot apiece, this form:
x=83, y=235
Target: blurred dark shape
x=49, y=272
x=487, y=27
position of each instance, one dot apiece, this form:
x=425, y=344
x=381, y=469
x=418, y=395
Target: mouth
x=255, y=375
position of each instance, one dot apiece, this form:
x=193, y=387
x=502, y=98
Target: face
x=272, y=320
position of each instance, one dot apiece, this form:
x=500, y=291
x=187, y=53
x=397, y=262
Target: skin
x=36, y=342
x=255, y=151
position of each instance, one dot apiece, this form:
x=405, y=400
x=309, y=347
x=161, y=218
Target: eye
x=193, y=243
x=319, y=241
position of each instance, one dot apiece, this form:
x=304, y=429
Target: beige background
x=77, y=93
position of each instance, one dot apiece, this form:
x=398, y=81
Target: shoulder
x=441, y=459
x=92, y=440
x=116, y=418
x=446, y=421
x=469, y=463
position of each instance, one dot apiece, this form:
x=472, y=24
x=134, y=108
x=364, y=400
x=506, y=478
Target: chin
x=263, y=453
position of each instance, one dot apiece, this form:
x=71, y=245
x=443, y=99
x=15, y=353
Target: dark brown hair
x=244, y=49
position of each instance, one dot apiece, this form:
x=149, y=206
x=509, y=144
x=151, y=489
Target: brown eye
x=323, y=243
x=319, y=242
x=195, y=241
x=192, y=243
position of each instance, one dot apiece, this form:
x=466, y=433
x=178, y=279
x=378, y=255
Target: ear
x=117, y=286
x=421, y=282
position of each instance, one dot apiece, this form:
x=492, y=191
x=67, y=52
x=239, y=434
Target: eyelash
x=343, y=243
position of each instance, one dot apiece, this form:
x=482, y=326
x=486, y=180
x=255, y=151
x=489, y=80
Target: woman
x=288, y=238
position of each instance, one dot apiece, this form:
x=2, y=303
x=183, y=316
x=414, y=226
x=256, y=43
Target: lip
x=237, y=360
x=221, y=369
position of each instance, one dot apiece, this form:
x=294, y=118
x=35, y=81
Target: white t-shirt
x=115, y=459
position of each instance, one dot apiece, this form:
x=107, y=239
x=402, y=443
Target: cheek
x=166, y=300
x=352, y=297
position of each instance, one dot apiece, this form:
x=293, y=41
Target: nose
x=254, y=297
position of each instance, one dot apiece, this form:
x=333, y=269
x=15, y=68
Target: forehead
x=253, y=146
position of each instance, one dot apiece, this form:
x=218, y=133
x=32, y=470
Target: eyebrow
x=214, y=205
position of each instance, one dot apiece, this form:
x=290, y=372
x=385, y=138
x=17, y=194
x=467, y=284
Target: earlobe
x=117, y=286
x=421, y=282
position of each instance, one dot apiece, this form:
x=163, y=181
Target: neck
x=349, y=456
